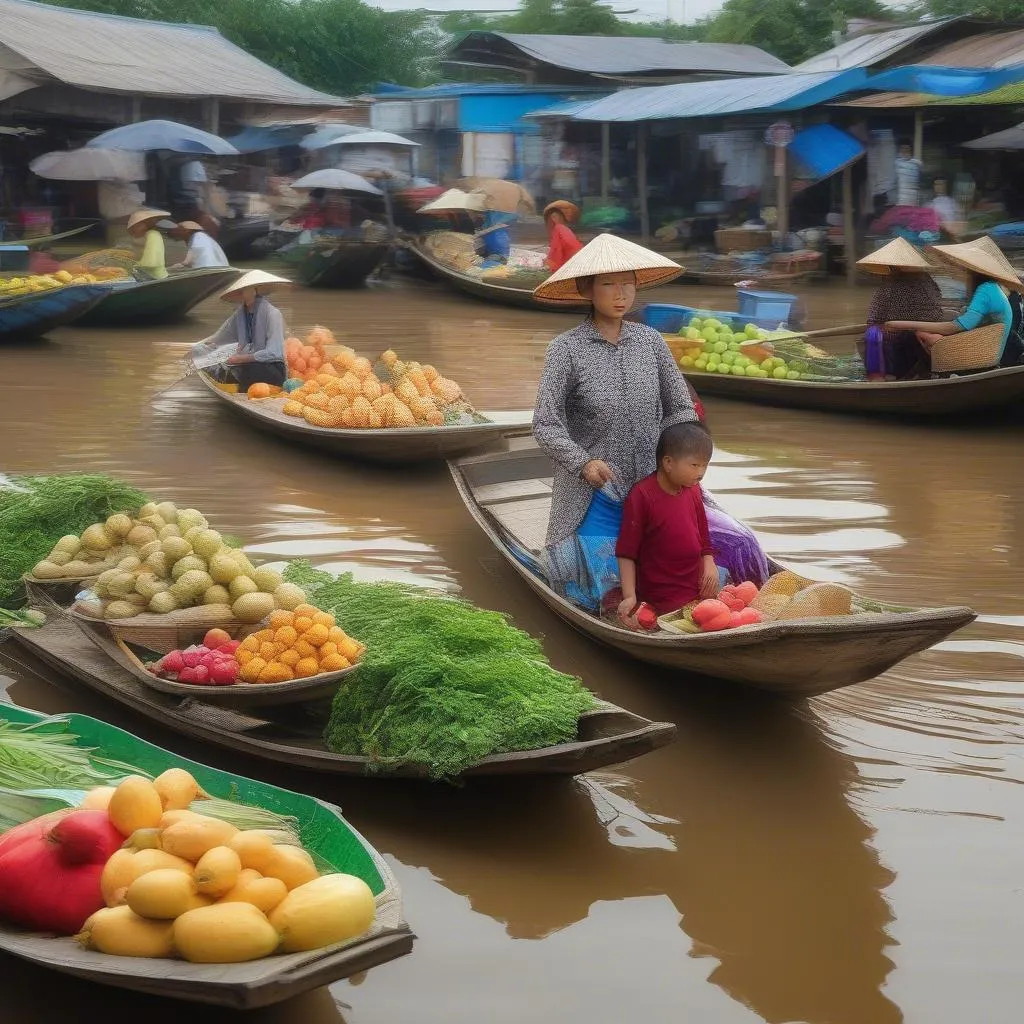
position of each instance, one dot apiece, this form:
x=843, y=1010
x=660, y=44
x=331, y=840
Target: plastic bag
x=736, y=548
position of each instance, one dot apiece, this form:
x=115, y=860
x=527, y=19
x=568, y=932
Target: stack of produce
x=710, y=346
x=443, y=684
x=37, y=510
x=162, y=559
x=305, y=360
x=15, y=287
x=294, y=645
x=346, y=393
x=136, y=871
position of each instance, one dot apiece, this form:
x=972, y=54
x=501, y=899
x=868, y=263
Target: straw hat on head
x=570, y=211
x=979, y=257
x=898, y=254
x=606, y=254
x=143, y=216
x=190, y=225
x=258, y=279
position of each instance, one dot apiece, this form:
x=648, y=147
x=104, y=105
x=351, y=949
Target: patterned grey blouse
x=599, y=400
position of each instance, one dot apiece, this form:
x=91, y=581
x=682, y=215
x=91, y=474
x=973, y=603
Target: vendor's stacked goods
x=137, y=871
x=707, y=345
x=15, y=287
x=162, y=559
x=347, y=393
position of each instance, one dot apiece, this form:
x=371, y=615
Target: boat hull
x=163, y=301
x=32, y=316
x=607, y=736
x=798, y=658
x=236, y=986
x=237, y=237
x=346, y=265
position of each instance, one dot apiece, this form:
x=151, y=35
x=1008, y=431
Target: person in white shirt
x=203, y=251
x=945, y=207
x=908, y=177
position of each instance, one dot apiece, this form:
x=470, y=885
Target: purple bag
x=736, y=548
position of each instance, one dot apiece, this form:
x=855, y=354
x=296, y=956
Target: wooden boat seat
x=524, y=520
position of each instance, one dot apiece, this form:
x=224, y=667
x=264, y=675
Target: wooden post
x=782, y=191
x=641, y=179
x=136, y=109
x=849, y=239
x=606, y=160
x=918, y=134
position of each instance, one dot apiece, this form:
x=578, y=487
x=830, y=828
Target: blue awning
x=822, y=150
x=255, y=140
x=941, y=81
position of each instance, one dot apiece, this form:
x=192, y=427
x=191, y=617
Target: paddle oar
x=829, y=332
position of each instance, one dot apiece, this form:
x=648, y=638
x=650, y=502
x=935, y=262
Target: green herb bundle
x=443, y=683
x=38, y=510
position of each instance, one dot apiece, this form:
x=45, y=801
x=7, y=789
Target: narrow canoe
x=32, y=316
x=607, y=736
x=344, y=263
x=163, y=301
x=504, y=295
x=509, y=496
x=49, y=239
x=393, y=445
x=237, y=986
x=237, y=237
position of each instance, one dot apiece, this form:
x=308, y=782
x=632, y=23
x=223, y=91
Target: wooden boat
x=509, y=496
x=237, y=237
x=607, y=736
x=490, y=291
x=337, y=263
x=163, y=301
x=39, y=240
x=32, y=316
x=393, y=445
x=237, y=986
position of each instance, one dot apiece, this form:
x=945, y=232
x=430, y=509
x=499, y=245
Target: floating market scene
x=511, y=513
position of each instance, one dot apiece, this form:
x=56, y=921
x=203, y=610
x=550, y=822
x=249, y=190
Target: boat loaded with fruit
x=153, y=607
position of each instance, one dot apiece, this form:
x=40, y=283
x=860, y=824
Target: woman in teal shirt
x=990, y=280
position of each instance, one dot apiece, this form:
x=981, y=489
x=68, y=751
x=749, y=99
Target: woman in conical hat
x=608, y=388
x=991, y=280
x=907, y=290
x=562, y=243
x=256, y=329
x=143, y=224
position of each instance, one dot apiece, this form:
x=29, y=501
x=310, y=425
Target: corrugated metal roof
x=617, y=55
x=106, y=53
x=568, y=110
x=987, y=50
x=718, y=98
x=387, y=91
x=864, y=51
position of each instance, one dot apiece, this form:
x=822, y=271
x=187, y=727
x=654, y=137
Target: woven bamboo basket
x=173, y=631
x=742, y=239
x=970, y=350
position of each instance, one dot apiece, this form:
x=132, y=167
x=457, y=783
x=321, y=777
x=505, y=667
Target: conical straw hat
x=141, y=216
x=899, y=254
x=979, y=258
x=570, y=211
x=258, y=279
x=190, y=225
x=986, y=244
x=606, y=254
x=453, y=200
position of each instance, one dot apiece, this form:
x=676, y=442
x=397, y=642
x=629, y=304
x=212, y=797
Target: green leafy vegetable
x=36, y=511
x=443, y=684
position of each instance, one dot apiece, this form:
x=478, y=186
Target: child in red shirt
x=664, y=548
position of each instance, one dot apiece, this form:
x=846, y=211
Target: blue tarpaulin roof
x=255, y=140
x=725, y=96
x=822, y=150
x=942, y=81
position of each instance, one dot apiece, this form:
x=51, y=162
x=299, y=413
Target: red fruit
x=86, y=837
x=719, y=622
x=192, y=659
x=30, y=830
x=172, y=662
x=215, y=637
x=734, y=619
x=748, y=591
x=646, y=617
x=732, y=601
x=230, y=647
x=708, y=610
x=202, y=673
x=750, y=616
x=224, y=673
x=188, y=675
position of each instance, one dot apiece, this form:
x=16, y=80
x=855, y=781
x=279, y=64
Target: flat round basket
x=250, y=695
x=165, y=633
x=969, y=350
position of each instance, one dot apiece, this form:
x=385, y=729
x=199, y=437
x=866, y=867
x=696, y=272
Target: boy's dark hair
x=683, y=439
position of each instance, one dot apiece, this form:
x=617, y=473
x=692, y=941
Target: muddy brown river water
x=854, y=859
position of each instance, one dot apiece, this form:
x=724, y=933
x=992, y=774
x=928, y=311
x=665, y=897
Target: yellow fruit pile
x=296, y=645
x=347, y=393
x=15, y=286
x=191, y=886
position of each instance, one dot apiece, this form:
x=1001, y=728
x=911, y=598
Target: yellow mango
x=291, y=864
x=192, y=837
x=329, y=909
x=217, y=871
x=119, y=931
x=164, y=895
x=225, y=933
x=134, y=804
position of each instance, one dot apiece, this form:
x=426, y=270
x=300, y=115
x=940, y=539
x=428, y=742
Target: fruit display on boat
x=707, y=345
x=14, y=287
x=138, y=871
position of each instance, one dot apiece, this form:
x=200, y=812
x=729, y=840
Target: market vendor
x=203, y=251
x=562, y=243
x=256, y=328
x=907, y=289
x=991, y=280
x=143, y=224
x=492, y=240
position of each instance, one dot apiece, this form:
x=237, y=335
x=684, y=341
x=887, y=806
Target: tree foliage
x=986, y=10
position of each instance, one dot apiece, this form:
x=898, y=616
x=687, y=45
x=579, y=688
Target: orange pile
x=347, y=393
x=306, y=360
x=295, y=645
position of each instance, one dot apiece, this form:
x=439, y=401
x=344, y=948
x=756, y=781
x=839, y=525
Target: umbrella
x=90, y=165
x=353, y=137
x=501, y=196
x=329, y=135
x=336, y=178
x=1011, y=138
x=149, y=135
